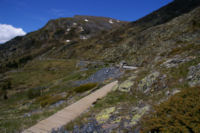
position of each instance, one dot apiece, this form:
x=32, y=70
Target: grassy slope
x=54, y=76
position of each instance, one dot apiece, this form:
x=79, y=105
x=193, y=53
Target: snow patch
x=68, y=29
x=68, y=40
x=86, y=20
x=111, y=21
x=74, y=24
x=81, y=29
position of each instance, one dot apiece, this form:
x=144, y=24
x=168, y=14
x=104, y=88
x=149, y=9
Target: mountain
x=70, y=58
x=55, y=33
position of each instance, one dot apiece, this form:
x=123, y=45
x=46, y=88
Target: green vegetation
x=84, y=87
x=180, y=72
x=16, y=63
x=15, y=123
x=179, y=50
x=4, y=87
x=195, y=24
x=113, y=99
x=49, y=100
x=178, y=114
x=81, y=89
x=39, y=73
x=40, y=83
x=33, y=93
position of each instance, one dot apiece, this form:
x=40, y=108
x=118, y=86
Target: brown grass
x=181, y=113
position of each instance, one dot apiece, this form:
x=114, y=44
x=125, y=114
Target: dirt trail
x=71, y=112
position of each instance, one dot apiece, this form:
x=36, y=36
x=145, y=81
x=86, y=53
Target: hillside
x=70, y=58
x=56, y=33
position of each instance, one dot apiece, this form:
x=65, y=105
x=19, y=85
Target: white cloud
x=8, y=32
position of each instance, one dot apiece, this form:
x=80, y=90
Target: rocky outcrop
x=139, y=112
x=127, y=84
x=194, y=75
x=104, y=115
x=174, y=62
x=146, y=83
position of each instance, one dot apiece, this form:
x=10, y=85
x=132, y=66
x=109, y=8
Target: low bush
x=4, y=87
x=84, y=87
x=181, y=113
x=179, y=50
x=3, y=94
x=49, y=100
x=42, y=98
x=33, y=93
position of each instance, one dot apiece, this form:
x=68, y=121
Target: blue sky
x=31, y=15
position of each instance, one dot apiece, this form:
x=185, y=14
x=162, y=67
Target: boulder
x=147, y=82
x=126, y=85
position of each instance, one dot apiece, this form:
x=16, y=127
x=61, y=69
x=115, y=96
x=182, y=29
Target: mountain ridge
x=53, y=32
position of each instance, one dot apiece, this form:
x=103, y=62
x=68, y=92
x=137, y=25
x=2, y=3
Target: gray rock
x=57, y=104
x=126, y=85
x=174, y=62
x=27, y=115
x=146, y=83
x=91, y=127
x=194, y=75
x=167, y=93
x=102, y=75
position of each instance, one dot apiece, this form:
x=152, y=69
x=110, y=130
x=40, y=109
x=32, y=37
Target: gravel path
x=71, y=112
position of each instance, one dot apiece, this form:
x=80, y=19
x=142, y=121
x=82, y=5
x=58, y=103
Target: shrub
x=50, y=100
x=195, y=24
x=181, y=113
x=3, y=94
x=33, y=93
x=85, y=87
x=42, y=98
x=4, y=87
x=25, y=59
x=12, y=64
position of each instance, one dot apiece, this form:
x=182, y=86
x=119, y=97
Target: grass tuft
x=49, y=100
x=85, y=87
